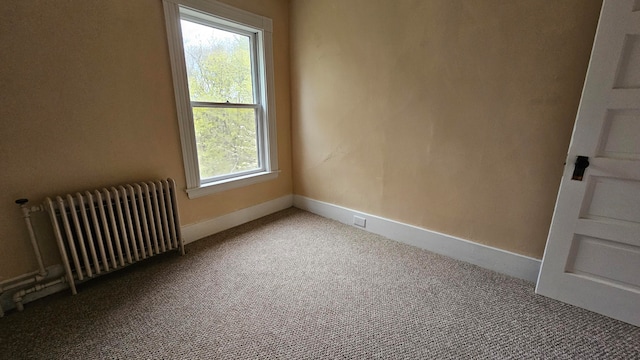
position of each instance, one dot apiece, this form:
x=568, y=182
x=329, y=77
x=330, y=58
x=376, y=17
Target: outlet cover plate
x=359, y=221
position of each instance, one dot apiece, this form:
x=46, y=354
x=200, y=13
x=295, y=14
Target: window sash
x=259, y=140
x=213, y=22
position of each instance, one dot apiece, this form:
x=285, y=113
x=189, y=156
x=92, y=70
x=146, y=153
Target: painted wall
x=86, y=100
x=454, y=116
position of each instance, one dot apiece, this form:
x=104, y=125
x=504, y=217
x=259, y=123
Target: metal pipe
x=17, y=278
x=19, y=295
x=34, y=277
x=32, y=280
x=26, y=211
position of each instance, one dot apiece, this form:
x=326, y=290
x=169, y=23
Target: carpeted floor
x=297, y=286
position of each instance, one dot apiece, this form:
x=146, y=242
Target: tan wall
x=86, y=100
x=454, y=116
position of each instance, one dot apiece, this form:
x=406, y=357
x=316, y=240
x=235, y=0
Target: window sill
x=228, y=184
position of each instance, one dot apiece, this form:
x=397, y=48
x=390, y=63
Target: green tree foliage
x=219, y=70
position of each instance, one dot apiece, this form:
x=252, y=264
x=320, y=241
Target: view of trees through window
x=219, y=72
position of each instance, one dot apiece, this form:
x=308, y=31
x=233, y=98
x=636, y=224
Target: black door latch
x=582, y=162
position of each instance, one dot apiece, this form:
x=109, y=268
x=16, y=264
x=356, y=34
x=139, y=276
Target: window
x=222, y=67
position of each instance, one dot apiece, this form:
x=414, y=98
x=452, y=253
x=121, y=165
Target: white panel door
x=592, y=257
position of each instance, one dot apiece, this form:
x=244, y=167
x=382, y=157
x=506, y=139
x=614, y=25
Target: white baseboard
x=197, y=231
x=488, y=257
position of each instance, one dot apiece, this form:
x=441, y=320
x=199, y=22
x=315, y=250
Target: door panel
x=629, y=72
x=620, y=134
x=591, y=259
x=613, y=199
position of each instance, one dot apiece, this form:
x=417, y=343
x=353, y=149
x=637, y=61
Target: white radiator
x=103, y=230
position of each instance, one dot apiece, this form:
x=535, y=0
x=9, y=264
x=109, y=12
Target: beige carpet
x=297, y=286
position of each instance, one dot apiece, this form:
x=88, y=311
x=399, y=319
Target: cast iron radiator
x=103, y=230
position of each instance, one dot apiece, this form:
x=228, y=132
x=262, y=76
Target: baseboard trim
x=197, y=231
x=488, y=257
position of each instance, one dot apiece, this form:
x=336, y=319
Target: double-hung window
x=222, y=67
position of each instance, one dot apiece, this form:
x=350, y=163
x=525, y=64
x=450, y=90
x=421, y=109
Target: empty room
x=311, y=179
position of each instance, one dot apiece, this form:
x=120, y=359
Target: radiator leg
x=72, y=285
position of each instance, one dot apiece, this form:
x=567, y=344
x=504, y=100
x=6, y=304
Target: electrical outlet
x=359, y=221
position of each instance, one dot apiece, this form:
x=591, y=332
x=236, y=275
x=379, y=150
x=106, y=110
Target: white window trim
x=224, y=12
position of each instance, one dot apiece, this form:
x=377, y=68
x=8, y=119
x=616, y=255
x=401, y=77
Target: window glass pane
x=226, y=141
x=218, y=64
